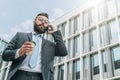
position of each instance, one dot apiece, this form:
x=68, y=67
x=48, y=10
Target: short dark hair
x=42, y=14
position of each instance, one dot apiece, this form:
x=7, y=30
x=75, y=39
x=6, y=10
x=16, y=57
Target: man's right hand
x=25, y=48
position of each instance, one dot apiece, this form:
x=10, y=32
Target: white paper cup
x=33, y=45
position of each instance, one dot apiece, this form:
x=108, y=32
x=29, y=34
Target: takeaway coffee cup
x=33, y=45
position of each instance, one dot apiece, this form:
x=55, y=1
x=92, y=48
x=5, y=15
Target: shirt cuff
x=17, y=54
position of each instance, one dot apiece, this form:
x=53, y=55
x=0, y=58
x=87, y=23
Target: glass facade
x=115, y=59
x=85, y=68
x=102, y=35
x=92, y=39
x=61, y=72
x=4, y=66
x=94, y=65
x=113, y=31
x=76, y=70
x=110, y=8
x=69, y=71
x=76, y=45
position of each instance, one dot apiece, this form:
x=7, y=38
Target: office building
x=4, y=66
x=92, y=36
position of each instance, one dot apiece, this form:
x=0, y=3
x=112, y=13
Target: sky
x=18, y=15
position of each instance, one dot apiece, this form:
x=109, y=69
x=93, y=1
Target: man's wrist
x=17, y=54
x=20, y=52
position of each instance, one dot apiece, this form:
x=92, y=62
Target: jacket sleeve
x=60, y=48
x=10, y=51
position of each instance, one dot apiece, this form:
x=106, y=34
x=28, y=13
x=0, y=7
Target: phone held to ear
x=48, y=28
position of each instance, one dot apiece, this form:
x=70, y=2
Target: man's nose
x=43, y=24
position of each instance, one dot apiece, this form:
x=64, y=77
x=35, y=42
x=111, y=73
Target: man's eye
x=40, y=19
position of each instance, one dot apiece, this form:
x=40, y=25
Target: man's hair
x=42, y=14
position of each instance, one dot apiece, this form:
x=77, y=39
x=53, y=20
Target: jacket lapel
x=43, y=42
x=29, y=36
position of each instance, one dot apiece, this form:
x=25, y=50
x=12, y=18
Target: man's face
x=40, y=24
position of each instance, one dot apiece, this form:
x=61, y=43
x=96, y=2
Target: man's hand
x=51, y=29
x=25, y=48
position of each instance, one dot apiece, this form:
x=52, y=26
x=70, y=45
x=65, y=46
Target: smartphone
x=48, y=28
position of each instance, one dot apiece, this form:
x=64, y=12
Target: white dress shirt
x=25, y=64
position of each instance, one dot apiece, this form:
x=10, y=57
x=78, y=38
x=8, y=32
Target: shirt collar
x=40, y=35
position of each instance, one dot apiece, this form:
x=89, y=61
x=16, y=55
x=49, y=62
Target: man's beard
x=38, y=29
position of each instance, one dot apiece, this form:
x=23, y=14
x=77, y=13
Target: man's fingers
x=27, y=43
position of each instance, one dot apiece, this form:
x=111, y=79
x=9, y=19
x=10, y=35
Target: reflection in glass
x=101, y=13
x=62, y=28
x=113, y=33
x=3, y=73
x=76, y=45
x=95, y=64
x=110, y=8
x=71, y=25
x=85, y=68
x=76, y=70
x=70, y=48
x=85, y=42
x=102, y=35
x=61, y=73
x=118, y=5
x=104, y=61
x=1, y=61
x=116, y=57
x=76, y=23
x=93, y=39
x=93, y=16
x=2, y=46
x=86, y=19
x=69, y=71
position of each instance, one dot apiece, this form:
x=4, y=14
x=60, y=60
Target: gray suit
x=48, y=51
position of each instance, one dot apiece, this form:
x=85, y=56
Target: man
x=39, y=64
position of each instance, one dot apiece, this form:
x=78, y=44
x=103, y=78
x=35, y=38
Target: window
x=2, y=46
x=119, y=21
x=61, y=73
x=3, y=73
x=104, y=61
x=76, y=24
x=101, y=12
x=71, y=25
x=85, y=42
x=89, y=17
x=113, y=31
x=62, y=28
x=86, y=19
x=93, y=16
x=69, y=71
x=85, y=68
x=95, y=64
x=76, y=45
x=76, y=70
x=118, y=5
x=93, y=39
x=116, y=56
x=110, y=8
x=70, y=48
x=102, y=35
x=1, y=61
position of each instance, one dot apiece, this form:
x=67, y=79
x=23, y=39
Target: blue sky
x=18, y=15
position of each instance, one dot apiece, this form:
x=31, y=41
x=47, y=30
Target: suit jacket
x=48, y=51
